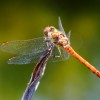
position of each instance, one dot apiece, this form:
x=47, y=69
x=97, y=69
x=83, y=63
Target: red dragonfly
x=30, y=50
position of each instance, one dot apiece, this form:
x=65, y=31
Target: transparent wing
x=60, y=26
x=59, y=55
x=25, y=59
x=62, y=29
x=35, y=45
x=34, y=57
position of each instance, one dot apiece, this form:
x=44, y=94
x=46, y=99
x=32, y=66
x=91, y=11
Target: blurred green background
x=67, y=80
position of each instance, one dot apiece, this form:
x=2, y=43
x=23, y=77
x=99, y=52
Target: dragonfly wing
x=35, y=45
x=62, y=29
x=60, y=26
x=59, y=55
x=25, y=59
x=34, y=57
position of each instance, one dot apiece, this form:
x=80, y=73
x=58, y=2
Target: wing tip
x=5, y=43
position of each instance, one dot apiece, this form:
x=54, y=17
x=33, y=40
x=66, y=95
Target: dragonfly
x=38, y=50
x=30, y=50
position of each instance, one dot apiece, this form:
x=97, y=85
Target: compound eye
x=51, y=29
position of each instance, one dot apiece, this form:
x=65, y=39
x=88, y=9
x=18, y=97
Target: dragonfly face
x=56, y=36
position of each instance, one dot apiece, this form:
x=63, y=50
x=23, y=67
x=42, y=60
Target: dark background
x=67, y=80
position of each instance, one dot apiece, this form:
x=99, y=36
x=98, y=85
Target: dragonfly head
x=51, y=33
x=56, y=36
x=48, y=31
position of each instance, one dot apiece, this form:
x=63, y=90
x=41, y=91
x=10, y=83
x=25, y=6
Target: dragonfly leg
x=59, y=51
x=57, y=55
